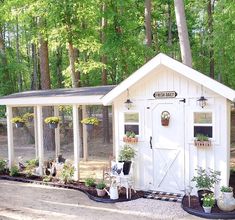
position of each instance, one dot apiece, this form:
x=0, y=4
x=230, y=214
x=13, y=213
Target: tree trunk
x=183, y=33
x=148, y=32
x=59, y=67
x=210, y=10
x=169, y=29
x=48, y=134
x=106, y=135
x=34, y=75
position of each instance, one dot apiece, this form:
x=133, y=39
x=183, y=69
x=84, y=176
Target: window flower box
x=202, y=143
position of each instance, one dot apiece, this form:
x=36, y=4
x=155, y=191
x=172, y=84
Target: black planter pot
x=201, y=193
x=53, y=125
x=126, y=167
x=19, y=124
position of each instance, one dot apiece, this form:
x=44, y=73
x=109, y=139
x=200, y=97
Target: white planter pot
x=226, y=202
x=207, y=209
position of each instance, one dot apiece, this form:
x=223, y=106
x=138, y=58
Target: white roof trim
x=162, y=59
x=48, y=101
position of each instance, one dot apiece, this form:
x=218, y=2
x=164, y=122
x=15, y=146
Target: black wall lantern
x=202, y=101
x=128, y=103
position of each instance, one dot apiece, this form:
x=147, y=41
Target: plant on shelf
x=18, y=121
x=100, y=188
x=126, y=154
x=52, y=121
x=202, y=140
x=130, y=137
x=208, y=201
x=205, y=180
x=165, y=118
x=28, y=116
x=90, y=182
x=90, y=121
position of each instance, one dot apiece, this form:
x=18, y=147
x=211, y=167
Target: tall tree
x=183, y=33
x=148, y=32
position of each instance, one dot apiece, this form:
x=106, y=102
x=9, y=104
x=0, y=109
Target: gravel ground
x=31, y=201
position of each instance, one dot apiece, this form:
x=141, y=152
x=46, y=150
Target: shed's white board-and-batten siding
x=166, y=79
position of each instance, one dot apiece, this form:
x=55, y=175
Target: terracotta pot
x=165, y=122
x=202, y=143
x=100, y=192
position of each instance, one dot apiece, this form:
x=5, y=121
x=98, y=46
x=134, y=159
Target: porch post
x=57, y=133
x=40, y=139
x=10, y=137
x=35, y=131
x=85, y=147
x=76, y=141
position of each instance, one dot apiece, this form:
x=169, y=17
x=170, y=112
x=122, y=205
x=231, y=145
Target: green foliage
x=18, y=119
x=28, y=116
x=52, y=120
x=67, y=172
x=130, y=134
x=47, y=179
x=14, y=171
x=226, y=189
x=90, y=182
x=3, y=166
x=206, y=179
x=30, y=166
x=201, y=137
x=208, y=200
x=127, y=153
x=100, y=185
x=90, y=121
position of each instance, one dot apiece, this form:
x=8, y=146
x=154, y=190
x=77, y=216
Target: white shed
x=167, y=157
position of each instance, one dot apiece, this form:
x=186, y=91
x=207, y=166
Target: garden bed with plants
x=89, y=187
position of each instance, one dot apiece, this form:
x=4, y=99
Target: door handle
x=150, y=142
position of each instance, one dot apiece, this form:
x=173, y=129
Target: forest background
x=48, y=44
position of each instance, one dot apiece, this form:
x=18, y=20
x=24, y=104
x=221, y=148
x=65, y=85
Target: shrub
x=67, y=172
x=90, y=182
x=47, y=179
x=3, y=166
x=100, y=185
x=14, y=171
x=206, y=178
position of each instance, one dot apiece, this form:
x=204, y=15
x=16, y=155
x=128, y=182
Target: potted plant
x=28, y=116
x=52, y=121
x=205, y=180
x=226, y=202
x=202, y=140
x=90, y=122
x=127, y=153
x=18, y=121
x=130, y=137
x=100, y=188
x=165, y=118
x=208, y=201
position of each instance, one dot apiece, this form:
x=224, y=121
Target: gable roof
x=162, y=59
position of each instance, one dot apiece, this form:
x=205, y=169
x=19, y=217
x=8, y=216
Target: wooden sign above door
x=164, y=94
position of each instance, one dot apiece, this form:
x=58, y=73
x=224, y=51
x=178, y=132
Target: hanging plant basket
x=89, y=127
x=202, y=143
x=53, y=125
x=19, y=124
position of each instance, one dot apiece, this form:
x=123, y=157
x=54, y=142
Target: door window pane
x=203, y=117
x=131, y=117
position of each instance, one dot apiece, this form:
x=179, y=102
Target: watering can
x=113, y=192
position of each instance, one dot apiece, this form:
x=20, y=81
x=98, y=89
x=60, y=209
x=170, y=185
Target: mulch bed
x=89, y=191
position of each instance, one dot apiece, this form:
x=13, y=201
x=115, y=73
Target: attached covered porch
x=81, y=102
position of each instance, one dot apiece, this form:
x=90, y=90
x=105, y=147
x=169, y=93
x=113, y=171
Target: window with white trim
x=131, y=122
x=203, y=124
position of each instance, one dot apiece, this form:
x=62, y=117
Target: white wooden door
x=168, y=147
